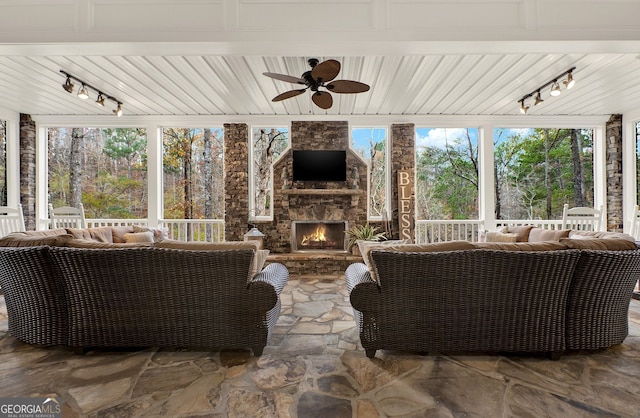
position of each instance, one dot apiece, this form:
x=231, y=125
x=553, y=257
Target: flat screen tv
x=323, y=165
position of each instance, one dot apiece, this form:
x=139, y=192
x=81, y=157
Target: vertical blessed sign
x=405, y=205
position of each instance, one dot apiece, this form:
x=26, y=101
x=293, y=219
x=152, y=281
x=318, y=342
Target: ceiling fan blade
x=347, y=86
x=288, y=94
x=322, y=99
x=326, y=71
x=284, y=77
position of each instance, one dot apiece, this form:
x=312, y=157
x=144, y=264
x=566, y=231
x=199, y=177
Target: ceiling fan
x=320, y=75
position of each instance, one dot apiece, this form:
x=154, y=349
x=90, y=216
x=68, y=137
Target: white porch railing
x=442, y=230
x=469, y=229
x=206, y=230
x=539, y=223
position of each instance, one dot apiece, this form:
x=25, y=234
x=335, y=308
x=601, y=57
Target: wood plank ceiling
x=436, y=84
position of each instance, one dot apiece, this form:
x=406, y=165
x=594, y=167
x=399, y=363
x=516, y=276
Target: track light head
x=68, y=85
x=523, y=108
x=118, y=110
x=83, y=94
x=538, y=99
x=555, y=89
x=569, y=82
x=100, y=99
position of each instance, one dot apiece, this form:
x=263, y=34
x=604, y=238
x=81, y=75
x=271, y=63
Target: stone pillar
x=613, y=137
x=236, y=180
x=402, y=158
x=28, y=170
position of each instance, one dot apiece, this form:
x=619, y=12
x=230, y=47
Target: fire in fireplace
x=318, y=236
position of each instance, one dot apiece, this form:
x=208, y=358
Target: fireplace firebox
x=318, y=236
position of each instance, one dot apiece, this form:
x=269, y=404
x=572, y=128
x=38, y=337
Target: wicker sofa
x=516, y=297
x=82, y=293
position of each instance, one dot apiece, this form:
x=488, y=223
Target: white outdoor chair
x=635, y=223
x=67, y=217
x=581, y=218
x=11, y=220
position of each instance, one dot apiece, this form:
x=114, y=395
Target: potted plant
x=365, y=232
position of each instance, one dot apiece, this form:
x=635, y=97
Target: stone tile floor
x=315, y=367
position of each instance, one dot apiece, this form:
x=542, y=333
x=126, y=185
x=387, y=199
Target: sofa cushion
x=98, y=234
x=44, y=233
x=418, y=248
x=117, y=232
x=87, y=243
x=258, y=260
x=540, y=234
x=608, y=244
x=600, y=234
x=522, y=246
x=132, y=237
x=522, y=231
x=22, y=240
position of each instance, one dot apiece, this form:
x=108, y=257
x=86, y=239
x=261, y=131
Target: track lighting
x=68, y=85
x=538, y=99
x=569, y=82
x=555, y=89
x=84, y=92
x=100, y=99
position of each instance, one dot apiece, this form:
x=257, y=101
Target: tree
x=268, y=144
x=75, y=167
x=448, y=178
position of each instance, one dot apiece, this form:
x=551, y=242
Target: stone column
x=28, y=170
x=236, y=180
x=402, y=158
x=613, y=137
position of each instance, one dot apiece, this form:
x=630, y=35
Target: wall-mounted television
x=319, y=165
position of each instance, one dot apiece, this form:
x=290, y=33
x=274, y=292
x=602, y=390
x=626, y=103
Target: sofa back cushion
x=117, y=232
x=87, y=243
x=418, y=248
x=522, y=231
x=99, y=234
x=522, y=246
x=259, y=258
x=18, y=239
x=608, y=244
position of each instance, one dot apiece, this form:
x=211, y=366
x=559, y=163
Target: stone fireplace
x=314, y=235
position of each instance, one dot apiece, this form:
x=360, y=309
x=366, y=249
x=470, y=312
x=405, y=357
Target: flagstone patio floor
x=315, y=367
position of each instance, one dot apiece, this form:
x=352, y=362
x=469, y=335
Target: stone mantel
x=354, y=193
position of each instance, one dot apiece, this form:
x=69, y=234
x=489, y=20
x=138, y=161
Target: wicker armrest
x=357, y=273
x=275, y=274
x=265, y=287
x=363, y=290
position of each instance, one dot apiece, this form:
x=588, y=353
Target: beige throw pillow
x=496, y=236
x=540, y=234
x=138, y=237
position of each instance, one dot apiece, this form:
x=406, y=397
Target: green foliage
x=366, y=232
x=447, y=180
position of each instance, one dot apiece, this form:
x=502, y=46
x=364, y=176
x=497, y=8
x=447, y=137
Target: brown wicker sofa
x=82, y=293
x=516, y=297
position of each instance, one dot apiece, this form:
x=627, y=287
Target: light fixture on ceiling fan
x=320, y=76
